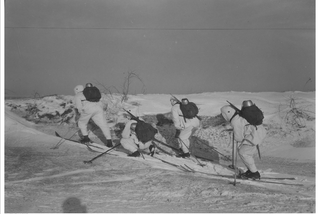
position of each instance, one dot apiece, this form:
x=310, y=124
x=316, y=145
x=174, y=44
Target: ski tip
x=87, y=162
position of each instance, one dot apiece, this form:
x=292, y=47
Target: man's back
x=92, y=94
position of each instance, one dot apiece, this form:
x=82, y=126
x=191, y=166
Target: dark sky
x=174, y=46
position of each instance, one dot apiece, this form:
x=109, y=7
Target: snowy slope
x=35, y=172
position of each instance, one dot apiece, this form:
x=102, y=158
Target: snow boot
x=109, y=143
x=254, y=175
x=85, y=140
x=180, y=150
x=251, y=175
x=135, y=154
x=245, y=174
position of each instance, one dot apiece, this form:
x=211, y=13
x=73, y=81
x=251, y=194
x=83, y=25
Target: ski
x=194, y=159
x=275, y=178
x=190, y=168
x=239, y=170
x=199, y=142
x=191, y=158
x=239, y=179
x=262, y=177
x=90, y=149
x=270, y=182
x=172, y=164
x=185, y=169
x=162, y=150
x=162, y=143
x=98, y=147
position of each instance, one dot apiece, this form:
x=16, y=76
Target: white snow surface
x=293, y=143
x=273, y=104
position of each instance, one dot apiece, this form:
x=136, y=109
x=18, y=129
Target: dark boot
x=251, y=175
x=245, y=174
x=85, y=140
x=254, y=175
x=109, y=143
x=180, y=150
x=186, y=155
x=135, y=154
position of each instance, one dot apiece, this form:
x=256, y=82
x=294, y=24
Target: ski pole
x=62, y=140
x=258, y=148
x=162, y=143
x=140, y=151
x=235, y=144
x=213, y=148
x=142, y=155
x=232, y=141
x=197, y=140
x=90, y=161
x=58, y=144
x=162, y=150
x=190, y=153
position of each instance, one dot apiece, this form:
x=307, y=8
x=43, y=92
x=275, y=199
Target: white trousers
x=246, y=153
x=184, y=138
x=130, y=145
x=94, y=111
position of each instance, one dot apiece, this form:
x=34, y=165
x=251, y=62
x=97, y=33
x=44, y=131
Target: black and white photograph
x=158, y=106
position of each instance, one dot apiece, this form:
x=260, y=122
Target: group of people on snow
x=89, y=106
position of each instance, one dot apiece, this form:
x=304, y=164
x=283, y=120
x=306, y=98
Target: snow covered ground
x=40, y=179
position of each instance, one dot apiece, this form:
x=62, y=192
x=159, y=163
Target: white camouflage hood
x=227, y=112
x=78, y=88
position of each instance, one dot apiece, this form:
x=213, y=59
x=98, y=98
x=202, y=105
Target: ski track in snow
x=142, y=185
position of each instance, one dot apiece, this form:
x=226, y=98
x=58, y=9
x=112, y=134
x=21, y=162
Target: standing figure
x=185, y=127
x=248, y=135
x=89, y=106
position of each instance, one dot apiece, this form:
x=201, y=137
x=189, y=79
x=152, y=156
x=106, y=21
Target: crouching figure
x=130, y=142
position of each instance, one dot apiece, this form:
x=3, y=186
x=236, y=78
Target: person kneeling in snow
x=248, y=135
x=130, y=142
x=89, y=106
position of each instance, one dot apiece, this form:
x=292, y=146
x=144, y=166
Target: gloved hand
x=177, y=133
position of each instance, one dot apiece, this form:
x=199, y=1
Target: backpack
x=189, y=109
x=145, y=131
x=252, y=114
x=92, y=94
